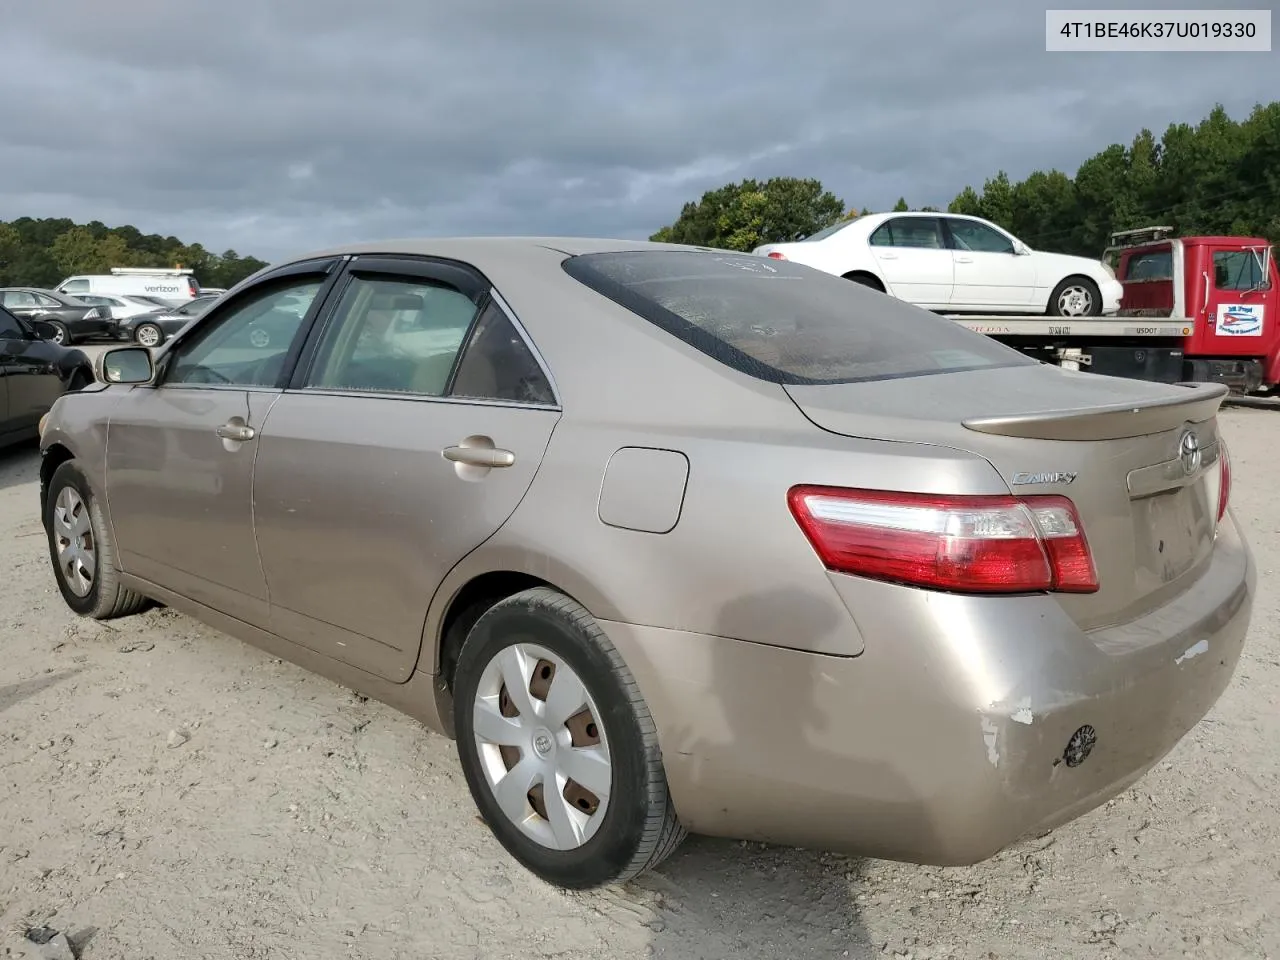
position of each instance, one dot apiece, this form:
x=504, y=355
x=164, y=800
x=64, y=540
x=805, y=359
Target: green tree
x=901, y=206
x=1218, y=176
x=78, y=251
x=41, y=253
x=741, y=216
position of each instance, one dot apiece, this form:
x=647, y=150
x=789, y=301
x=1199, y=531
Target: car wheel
x=1076, y=297
x=148, y=335
x=80, y=547
x=61, y=335
x=558, y=746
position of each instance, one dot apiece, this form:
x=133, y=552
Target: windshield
x=784, y=322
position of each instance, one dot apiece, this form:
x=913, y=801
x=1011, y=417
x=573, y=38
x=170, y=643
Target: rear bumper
x=946, y=740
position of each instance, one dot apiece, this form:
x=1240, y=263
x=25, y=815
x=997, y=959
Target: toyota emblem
x=1189, y=453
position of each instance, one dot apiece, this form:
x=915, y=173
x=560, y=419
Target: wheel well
x=865, y=275
x=469, y=605
x=1078, y=277
x=50, y=461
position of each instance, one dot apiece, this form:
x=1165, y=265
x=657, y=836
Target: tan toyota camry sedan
x=673, y=539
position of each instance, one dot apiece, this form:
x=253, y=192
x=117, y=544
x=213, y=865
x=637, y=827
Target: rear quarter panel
x=736, y=564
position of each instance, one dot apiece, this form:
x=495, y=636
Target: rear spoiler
x=1111, y=422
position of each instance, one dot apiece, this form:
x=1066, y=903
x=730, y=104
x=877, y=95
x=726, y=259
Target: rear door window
x=920, y=233
x=784, y=322
x=1149, y=265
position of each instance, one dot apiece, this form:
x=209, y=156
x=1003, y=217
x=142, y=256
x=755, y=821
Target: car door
x=914, y=262
x=413, y=428
x=180, y=453
x=990, y=273
x=30, y=371
x=1235, y=301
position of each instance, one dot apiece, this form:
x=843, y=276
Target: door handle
x=236, y=431
x=964, y=259
x=888, y=256
x=1205, y=308
x=480, y=456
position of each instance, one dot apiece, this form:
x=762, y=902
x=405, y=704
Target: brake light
x=775, y=255
x=192, y=287
x=970, y=544
x=1224, y=482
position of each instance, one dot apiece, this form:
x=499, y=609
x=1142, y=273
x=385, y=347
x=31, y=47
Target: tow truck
x=1194, y=309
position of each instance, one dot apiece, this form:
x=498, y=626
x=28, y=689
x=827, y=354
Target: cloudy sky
x=276, y=126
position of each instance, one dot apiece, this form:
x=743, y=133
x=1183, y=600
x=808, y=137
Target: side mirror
x=1020, y=249
x=125, y=365
x=43, y=330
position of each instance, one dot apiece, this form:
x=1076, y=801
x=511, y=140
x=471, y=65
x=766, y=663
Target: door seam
x=253, y=493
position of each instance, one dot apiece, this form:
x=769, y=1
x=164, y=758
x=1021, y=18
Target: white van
x=177, y=286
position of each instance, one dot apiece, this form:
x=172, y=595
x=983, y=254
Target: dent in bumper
x=946, y=739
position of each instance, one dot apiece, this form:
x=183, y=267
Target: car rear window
x=783, y=322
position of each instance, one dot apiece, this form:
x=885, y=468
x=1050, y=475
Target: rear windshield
x=784, y=322
x=1149, y=265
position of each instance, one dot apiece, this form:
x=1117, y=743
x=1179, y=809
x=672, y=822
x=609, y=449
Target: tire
x=1078, y=290
x=148, y=335
x=105, y=598
x=61, y=335
x=637, y=827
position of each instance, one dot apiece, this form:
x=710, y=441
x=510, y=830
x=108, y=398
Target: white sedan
x=955, y=263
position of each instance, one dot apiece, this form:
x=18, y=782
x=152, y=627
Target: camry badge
x=1026, y=479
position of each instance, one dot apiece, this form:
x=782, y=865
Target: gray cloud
x=278, y=127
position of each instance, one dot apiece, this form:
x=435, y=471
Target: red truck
x=1194, y=309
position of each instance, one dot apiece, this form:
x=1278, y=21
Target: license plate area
x=1173, y=532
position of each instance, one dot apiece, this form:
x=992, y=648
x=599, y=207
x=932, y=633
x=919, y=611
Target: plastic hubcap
x=73, y=541
x=542, y=751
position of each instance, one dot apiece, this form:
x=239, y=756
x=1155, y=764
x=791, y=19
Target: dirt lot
x=166, y=792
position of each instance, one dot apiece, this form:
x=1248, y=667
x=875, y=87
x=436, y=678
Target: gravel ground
x=167, y=792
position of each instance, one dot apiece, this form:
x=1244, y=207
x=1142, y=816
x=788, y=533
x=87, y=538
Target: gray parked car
x=674, y=538
x=154, y=328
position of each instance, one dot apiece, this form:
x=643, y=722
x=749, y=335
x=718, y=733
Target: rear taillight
x=1224, y=479
x=775, y=255
x=976, y=544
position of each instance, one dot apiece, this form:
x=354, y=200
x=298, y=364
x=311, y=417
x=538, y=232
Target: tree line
x=1220, y=176
x=41, y=253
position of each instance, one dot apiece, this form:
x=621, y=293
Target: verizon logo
x=161, y=288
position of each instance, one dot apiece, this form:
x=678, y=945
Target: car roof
x=478, y=249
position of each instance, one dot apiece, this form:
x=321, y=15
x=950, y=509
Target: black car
x=154, y=328
x=71, y=319
x=34, y=372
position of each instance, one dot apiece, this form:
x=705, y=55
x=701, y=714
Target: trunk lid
x=1113, y=446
